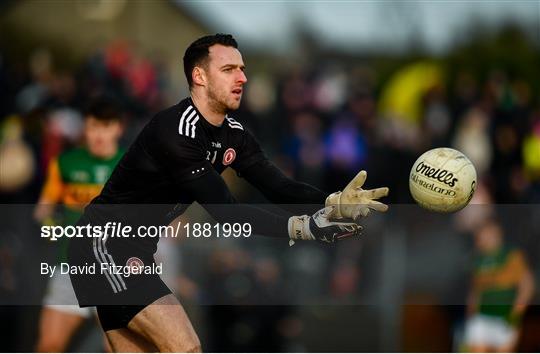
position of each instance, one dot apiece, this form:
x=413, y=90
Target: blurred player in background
x=502, y=288
x=73, y=179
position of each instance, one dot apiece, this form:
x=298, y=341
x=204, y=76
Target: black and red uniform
x=176, y=159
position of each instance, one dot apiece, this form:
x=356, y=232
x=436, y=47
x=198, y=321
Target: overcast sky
x=364, y=23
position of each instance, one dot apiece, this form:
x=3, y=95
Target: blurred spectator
x=37, y=90
x=472, y=138
x=346, y=150
x=480, y=209
x=436, y=120
x=306, y=147
x=17, y=165
x=531, y=158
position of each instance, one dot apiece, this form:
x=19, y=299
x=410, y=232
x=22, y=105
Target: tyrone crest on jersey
x=229, y=156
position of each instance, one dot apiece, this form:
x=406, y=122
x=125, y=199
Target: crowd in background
x=329, y=122
x=321, y=123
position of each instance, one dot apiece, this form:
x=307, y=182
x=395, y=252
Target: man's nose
x=242, y=78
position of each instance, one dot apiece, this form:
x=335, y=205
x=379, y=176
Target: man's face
x=225, y=78
x=488, y=238
x=102, y=136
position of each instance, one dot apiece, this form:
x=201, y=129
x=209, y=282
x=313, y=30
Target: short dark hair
x=104, y=108
x=197, y=52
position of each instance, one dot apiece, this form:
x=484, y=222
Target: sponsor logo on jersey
x=80, y=176
x=229, y=156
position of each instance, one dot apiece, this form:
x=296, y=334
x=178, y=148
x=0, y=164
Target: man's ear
x=199, y=76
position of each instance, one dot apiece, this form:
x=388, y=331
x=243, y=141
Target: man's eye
x=227, y=69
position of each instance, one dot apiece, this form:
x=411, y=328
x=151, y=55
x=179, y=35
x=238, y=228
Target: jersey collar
x=205, y=121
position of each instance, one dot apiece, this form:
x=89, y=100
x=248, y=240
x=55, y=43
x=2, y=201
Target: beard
x=219, y=102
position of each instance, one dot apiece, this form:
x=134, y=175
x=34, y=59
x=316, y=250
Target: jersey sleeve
x=211, y=192
x=516, y=265
x=54, y=185
x=278, y=188
x=249, y=152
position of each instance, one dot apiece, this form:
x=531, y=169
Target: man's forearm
x=525, y=293
x=280, y=189
x=262, y=222
x=212, y=193
x=472, y=303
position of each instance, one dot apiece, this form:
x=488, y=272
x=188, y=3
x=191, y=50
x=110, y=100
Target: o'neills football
x=442, y=180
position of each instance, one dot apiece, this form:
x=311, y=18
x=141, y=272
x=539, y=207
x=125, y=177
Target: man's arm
x=525, y=287
x=473, y=297
x=280, y=189
x=352, y=203
x=184, y=160
x=253, y=165
x=212, y=193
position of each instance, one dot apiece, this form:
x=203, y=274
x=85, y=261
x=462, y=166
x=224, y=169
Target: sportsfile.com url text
x=114, y=229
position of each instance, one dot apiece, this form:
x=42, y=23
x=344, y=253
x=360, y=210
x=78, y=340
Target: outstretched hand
x=355, y=202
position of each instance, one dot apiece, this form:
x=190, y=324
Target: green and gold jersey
x=73, y=179
x=497, y=277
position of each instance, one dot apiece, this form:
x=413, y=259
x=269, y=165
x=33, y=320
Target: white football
x=442, y=180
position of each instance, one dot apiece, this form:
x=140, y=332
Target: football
x=442, y=180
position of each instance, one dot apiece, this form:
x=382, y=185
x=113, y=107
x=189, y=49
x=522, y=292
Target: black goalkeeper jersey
x=176, y=146
x=177, y=159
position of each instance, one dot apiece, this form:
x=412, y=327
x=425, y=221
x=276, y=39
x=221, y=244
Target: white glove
x=355, y=202
x=319, y=227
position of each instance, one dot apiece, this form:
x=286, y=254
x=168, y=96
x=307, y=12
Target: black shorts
x=116, y=277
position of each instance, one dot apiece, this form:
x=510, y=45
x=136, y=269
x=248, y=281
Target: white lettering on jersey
x=208, y=154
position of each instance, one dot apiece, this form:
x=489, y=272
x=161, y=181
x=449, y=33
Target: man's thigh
x=165, y=324
x=162, y=325
x=124, y=340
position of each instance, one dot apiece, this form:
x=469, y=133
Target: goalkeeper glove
x=354, y=201
x=319, y=227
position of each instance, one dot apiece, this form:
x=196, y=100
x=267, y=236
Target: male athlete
x=503, y=286
x=73, y=179
x=177, y=159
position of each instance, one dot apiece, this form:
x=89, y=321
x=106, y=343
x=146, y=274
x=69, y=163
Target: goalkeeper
x=176, y=160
